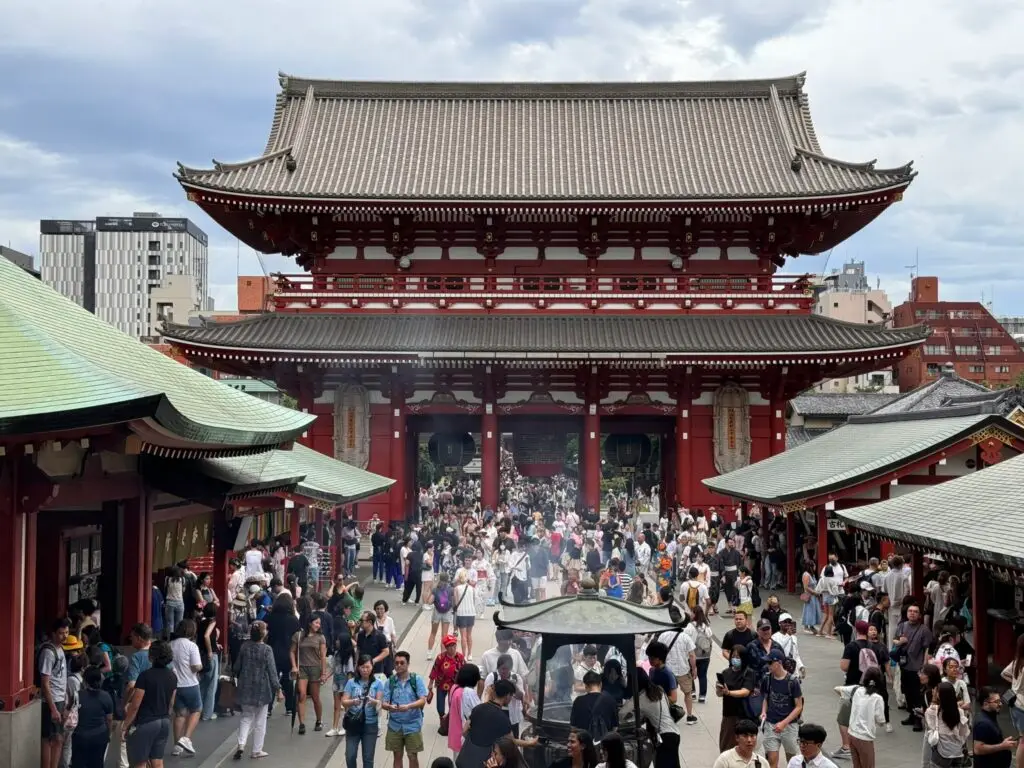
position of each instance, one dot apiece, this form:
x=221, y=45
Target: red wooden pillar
x=917, y=576
x=821, y=514
x=590, y=447
x=293, y=528
x=980, y=590
x=306, y=399
x=490, y=459
x=777, y=426
x=683, y=458
x=18, y=505
x=792, y=566
x=135, y=585
x=221, y=558
x=398, y=450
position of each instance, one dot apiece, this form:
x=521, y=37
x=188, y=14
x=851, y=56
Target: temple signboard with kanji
x=530, y=259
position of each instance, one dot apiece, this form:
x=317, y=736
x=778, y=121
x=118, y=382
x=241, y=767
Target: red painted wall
x=703, y=455
x=380, y=462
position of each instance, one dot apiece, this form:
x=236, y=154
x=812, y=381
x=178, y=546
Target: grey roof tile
x=799, y=435
x=839, y=403
x=934, y=517
x=844, y=457
x=932, y=395
x=544, y=141
x=332, y=333
x=324, y=479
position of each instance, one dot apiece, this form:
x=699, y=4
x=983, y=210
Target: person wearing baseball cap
x=780, y=710
x=786, y=639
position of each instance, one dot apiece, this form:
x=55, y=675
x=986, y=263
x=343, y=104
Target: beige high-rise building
x=846, y=295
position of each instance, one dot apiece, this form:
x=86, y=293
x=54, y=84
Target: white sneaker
x=430, y=655
x=332, y=733
x=177, y=751
x=888, y=727
x=186, y=743
x=470, y=657
x=427, y=607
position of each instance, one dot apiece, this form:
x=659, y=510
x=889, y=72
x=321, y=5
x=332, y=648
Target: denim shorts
x=1017, y=718
x=188, y=700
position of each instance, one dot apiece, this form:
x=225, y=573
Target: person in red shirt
x=443, y=673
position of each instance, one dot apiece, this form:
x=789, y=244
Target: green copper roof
x=63, y=368
x=323, y=479
x=933, y=517
x=844, y=457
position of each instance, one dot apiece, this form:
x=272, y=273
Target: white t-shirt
x=253, y=563
x=463, y=597
x=489, y=662
x=678, y=661
x=867, y=711
x=186, y=656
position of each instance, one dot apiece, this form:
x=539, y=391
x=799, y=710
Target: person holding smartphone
x=733, y=687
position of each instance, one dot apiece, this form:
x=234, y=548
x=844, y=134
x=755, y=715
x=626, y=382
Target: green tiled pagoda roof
x=933, y=518
x=323, y=479
x=63, y=368
x=863, y=448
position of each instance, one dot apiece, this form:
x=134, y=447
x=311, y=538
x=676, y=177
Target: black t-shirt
x=987, y=731
x=159, y=685
x=735, y=637
x=372, y=645
x=415, y=562
x=93, y=709
x=487, y=723
x=594, y=711
x=299, y=565
x=852, y=654
x=737, y=680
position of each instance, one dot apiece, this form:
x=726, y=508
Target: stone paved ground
x=215, y=740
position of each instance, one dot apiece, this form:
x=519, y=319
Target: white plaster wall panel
x=518, y=253
x=463, y=253
x=707, y=253
x=326, y=397
x=563, y=254
x=426, y=253
x=377, y=253
x=740, y=253
x=343, y=252
x=656, y=254
x=618, y=254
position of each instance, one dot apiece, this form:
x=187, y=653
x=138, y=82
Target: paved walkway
x=215, y=740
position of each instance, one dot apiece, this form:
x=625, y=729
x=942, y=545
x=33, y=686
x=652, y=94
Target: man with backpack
x=694, y=593
x=681, y=662
x=405, y=696
x=781, y=707
x=52, y=680
x=594, y=711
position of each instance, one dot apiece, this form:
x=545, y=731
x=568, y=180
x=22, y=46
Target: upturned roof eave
x=192, y=183
x=812, y=493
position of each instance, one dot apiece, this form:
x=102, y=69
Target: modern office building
x=111, y=265
x=847, y=295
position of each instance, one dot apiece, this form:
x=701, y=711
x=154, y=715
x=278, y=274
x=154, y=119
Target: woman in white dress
x=464, y=596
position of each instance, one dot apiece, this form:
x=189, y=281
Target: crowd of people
x=288, y=635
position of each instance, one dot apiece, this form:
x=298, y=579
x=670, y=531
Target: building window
x=154, y=245
x=932, y=369
x=154, y=274
x=1001, y=369
x=993, y=350
x=976, y=369
x=971, y=351
x=936, y=349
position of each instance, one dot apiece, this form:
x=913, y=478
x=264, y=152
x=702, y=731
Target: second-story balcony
x=683, y=292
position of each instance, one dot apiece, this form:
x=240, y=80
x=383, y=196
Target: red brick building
x=964, y=333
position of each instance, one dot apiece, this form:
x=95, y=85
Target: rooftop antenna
x=916, y=265
x=824, y=267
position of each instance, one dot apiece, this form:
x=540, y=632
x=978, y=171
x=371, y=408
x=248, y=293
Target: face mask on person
x=736, y=663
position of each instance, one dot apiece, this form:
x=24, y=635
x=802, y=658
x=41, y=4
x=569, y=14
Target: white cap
x=784, y=617
x=866, y=586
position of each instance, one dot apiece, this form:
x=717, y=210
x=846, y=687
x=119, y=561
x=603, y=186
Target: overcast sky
x=101, y=99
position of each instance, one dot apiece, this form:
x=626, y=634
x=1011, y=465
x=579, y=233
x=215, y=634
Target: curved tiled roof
x=505, y=142
x=332, y=333
x=836, y=404
x=64, y=368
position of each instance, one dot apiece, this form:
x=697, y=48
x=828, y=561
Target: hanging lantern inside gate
x=452, y=450
x=627, y=451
